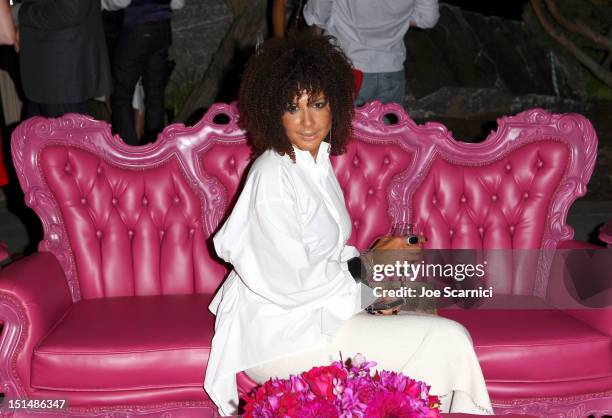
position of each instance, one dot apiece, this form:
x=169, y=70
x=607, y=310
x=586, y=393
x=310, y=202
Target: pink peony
x=321, y=379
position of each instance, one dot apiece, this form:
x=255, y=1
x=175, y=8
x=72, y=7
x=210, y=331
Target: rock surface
x=197, y=31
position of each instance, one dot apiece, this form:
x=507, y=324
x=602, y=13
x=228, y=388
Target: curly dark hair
x=281, y=70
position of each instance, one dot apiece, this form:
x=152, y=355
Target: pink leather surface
x=599, y=319
x=541, y=345
x=127, y=343
x=148, y=396
x=365, y=173
x=503, y=204
x=551, y=392
x=133, y=232
x=577, y=245
x=227, y=164
x=37, y=283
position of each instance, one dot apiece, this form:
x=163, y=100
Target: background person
x=63, y=57
x=142, y=52
x=371, y=33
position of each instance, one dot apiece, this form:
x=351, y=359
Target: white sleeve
x=426, y=13
x=113, y=5
x=317, y=12
x=271, y=260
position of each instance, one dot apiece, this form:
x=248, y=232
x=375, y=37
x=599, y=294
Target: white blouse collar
x=305, y=158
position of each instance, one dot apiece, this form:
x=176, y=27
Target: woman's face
x=307, y=122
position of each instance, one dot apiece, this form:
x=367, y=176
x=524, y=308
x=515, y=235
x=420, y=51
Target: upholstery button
x=232, y=161
x=525, y=195
x=161, y=232
x=356, y=224
x=463, y=199
x=386, y=160
x=480, y=230
x=540, y=163
x=145, y=202
x=356, y=161
x=67, y=168
x=508, y=167
x=130, y=233
x=176, y=199
x=494, y=198
x=370, y=192
x=191, y=231
x=98, y=233
x=114, y=201
x=83, y=201
x=511, y=228
x=99, y=170
x=451, y=231
x=434, y=201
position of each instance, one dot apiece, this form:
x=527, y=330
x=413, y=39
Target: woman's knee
x=453, y=332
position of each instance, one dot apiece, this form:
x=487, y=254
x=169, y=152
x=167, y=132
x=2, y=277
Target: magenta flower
x=343, y=390
x=318, y=408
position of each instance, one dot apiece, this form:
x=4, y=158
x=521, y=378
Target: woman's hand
x=378, y=255
x=407, y=252
x=392, y=243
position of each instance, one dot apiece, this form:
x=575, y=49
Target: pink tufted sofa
x=111, y=313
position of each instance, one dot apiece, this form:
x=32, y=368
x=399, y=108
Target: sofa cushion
x=127, y=343
x=534, y=346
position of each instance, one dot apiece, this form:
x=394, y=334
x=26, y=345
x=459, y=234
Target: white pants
x=425, y=347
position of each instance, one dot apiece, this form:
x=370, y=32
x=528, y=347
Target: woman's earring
x=330, y=139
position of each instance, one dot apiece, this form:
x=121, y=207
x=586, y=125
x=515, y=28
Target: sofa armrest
x=605, y=233
x=599, y=319
x=34, y=296
x=577, y=245
x=559, y=296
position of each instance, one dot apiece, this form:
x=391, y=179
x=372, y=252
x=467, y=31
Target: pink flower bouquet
x=343, y=390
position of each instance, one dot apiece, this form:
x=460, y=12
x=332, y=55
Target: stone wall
x=474, y=54
x=197, y=31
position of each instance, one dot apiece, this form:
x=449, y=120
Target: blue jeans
x=384, y=87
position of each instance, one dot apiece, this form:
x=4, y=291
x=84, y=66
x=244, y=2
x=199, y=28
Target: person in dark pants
x=63, y=56
x=142, y=51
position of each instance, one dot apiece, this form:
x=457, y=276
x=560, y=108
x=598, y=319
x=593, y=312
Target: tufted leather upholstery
x=502, y=204
x=365, y=173
x=133, y=232
x=130, y=230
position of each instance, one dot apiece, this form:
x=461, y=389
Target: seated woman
x=291, y=303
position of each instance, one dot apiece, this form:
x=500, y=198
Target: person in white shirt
x=290, y=302
x=371, y=33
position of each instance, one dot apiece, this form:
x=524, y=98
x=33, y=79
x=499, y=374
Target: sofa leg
x=11, y=330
